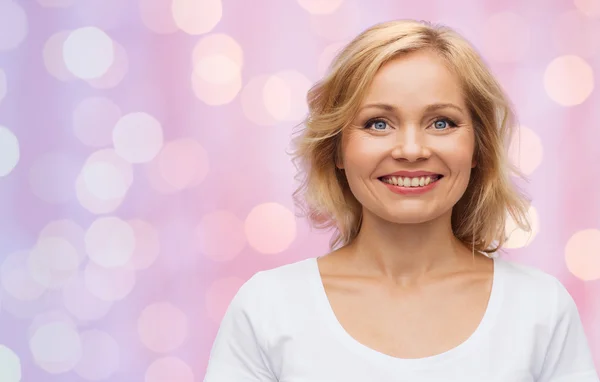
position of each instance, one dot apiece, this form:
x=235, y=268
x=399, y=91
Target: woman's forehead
x=417, y=79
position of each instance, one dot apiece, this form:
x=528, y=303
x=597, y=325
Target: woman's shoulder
x=277, y=284
x=526, y=276
x=524, y=273
x=287, y=274
x=535, y=288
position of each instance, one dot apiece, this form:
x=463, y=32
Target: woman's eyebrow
x=428, y=108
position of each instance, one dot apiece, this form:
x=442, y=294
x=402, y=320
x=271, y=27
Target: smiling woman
x=404, y=155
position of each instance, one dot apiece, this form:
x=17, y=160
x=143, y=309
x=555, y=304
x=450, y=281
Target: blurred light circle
x=182, y=163
x=216, y=94
x=88, y=52
x=569, y=80
x=104, y=180
x=278, y=97
x=53, y=261
x=9, y=151
x=100, y=355
x=507, y=37
x=326, y=57
x=147, y=244
x=526, y=150
x=575, y=33
x=10, y=365
x=13, y=25
x=162, y=327
x=518, y=238
x=270, y=228
x=91, y=202
x=110, y=242
x=53, y=56
x=283, y=98
x=217, y=60
x=137, y=137
x=81, y=303
x=51, y=316
x=17, y=280
x=342, y=24
x=109, y=284
x=52, y=176
x=253, y=104
x=196, y=17
x=219, y=44
x=219, y=296
x=156, y=16
x=56, y=347
x=296, y=85
x=93, y=187
x=56, y=3
x=217, y=69
x=220, y=235
x=94, y=119
x=590, y=8
x=320, y=7
x=582, y=255
x=169, y=369
x=115, y=73
x=68, y=230
x=3, y=85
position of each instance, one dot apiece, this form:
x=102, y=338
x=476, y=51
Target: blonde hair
x=324, y=197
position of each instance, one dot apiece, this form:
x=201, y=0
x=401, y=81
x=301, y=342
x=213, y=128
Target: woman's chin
x=408, y=217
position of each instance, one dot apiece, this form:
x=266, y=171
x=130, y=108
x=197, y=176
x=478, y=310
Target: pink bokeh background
x=144, y=174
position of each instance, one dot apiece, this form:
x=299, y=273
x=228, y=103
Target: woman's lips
x=411, y=190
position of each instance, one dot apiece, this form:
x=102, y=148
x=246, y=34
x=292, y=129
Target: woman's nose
x=410, y=145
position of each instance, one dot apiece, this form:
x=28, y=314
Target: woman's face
x=412, y=122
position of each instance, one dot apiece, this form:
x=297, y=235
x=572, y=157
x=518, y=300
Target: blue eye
x=379, y=125
x=376, y=124
x=443, y=124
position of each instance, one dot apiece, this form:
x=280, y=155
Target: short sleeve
x=568, y=357
x=238, y=352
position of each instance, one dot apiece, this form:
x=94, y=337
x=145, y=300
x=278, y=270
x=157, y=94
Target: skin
x=406, y=287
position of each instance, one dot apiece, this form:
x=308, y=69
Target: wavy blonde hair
x=324, y=197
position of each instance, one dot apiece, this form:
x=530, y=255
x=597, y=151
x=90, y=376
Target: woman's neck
x=406, y=253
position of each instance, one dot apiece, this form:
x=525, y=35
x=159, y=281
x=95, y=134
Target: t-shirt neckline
x=337, y=330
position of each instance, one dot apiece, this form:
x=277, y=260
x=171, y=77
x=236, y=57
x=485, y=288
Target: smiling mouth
x=410, y=182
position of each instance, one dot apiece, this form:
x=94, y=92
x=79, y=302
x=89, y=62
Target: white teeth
x=408, y=182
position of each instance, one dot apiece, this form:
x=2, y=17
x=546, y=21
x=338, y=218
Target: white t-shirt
x=280, y=327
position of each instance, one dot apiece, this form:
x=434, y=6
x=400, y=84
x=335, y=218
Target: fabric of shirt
x=281, y=327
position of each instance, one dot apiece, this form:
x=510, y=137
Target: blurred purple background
x=144, y=174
